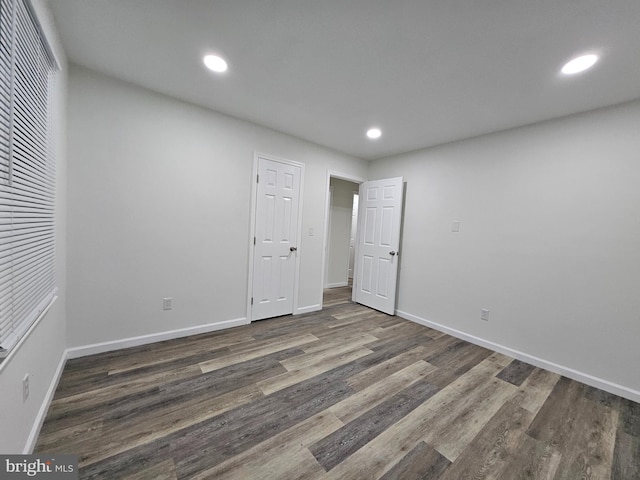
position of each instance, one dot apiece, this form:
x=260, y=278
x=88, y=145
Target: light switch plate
x=167, y=303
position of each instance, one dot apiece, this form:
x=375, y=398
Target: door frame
x=353, y=271
x=325, y=245
x=325, y=265
x=252, y=227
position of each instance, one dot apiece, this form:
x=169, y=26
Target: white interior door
x=379, y=221
x=276, y=238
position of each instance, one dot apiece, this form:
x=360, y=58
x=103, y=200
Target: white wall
x=159, y=206
x=549, y=240
x=339, y=232
x=41, y=353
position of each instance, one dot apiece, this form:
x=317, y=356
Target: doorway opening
x=341, y=238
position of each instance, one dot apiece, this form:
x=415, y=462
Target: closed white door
x=276, y=238
x=380, y=217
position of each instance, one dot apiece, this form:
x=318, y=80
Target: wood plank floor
x=345, y=393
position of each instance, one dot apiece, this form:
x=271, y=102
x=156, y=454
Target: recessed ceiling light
x=374, y=133
x=579, y=64
x=215, y=63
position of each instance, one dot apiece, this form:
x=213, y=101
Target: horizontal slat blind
x=27, y=174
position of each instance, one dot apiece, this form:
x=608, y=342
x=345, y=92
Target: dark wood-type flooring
x=345, y=393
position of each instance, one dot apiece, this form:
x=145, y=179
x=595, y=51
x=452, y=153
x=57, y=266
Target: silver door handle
x=392, y=253
x=293, y=249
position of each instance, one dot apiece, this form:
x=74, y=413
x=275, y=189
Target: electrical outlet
x=25, y=388
x=484, y=314
x=455, y=226
x=167, y=303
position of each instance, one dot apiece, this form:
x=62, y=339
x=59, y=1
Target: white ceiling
x=425, y=71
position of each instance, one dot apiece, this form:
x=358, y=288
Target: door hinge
x=254, y=240
x=251, y=300
x=258, y=178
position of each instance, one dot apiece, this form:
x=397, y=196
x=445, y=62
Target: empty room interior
x=321, y=240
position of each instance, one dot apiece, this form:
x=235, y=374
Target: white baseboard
x=308, y=309
x=596, y=382
x=85, y=350
x=44, y=408
x=336, y=285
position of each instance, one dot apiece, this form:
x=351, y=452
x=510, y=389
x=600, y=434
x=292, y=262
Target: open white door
x=379, y=220
x=276, y=238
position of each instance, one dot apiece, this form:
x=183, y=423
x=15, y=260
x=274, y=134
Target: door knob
x=293, y=249
x=392, y=253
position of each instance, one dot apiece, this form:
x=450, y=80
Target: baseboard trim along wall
x=336, y=285
x=76, y=352
x=42, y=413
x=538, y=362
x=307, y=309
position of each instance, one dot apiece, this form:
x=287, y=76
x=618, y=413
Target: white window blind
x=27, y=173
